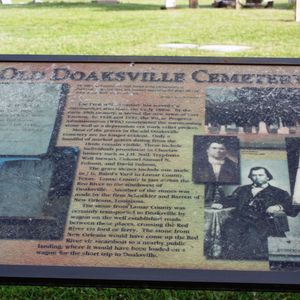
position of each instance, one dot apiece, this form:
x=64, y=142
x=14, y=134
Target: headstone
x=254, y=129
x=238, y=4
x=231, y=127
x=170, y=3
x=284, y=253
x=262, y=128
x=223, y=129
x=107, y=1
x=6, y=2
x=241, y=130
x=224, y=48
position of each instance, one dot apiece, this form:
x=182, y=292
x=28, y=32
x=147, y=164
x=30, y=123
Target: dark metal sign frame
x=147, y=277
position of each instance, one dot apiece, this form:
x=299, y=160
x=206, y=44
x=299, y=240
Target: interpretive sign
x=150, y=171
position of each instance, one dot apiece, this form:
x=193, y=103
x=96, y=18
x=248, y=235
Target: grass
x=28, y=293
x=131, y=28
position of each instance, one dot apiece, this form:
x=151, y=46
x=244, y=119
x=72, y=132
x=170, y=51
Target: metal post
x=193, y=3
x=297, y=10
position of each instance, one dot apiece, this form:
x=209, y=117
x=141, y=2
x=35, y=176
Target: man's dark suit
x=228, y=173
x=245, y=234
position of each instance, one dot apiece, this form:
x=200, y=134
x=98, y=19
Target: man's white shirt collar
x=214, y=161
x=216, y=165
x=256, y=189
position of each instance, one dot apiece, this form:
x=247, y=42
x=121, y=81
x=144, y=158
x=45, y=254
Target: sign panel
x=150, y=170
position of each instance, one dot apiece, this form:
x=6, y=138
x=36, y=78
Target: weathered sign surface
x=170, y=172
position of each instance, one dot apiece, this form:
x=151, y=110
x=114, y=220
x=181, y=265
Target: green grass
x=137, y=28
x=26, y=293
x=131, y=28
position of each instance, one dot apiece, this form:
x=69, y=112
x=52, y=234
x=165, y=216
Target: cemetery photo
x=251, y=110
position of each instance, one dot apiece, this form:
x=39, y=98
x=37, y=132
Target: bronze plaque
x=150, y=171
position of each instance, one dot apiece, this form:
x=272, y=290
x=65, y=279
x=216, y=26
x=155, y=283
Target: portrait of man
x=216, y=160
x=260, y=212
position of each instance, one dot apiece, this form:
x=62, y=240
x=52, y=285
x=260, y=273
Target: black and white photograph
x=36, y=176
x=216, y=160
x=252, y=110
x=239, y=220
x=36, y=194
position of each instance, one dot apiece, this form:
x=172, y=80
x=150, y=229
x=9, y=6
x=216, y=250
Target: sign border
x=150, y=59
x=148, y=277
